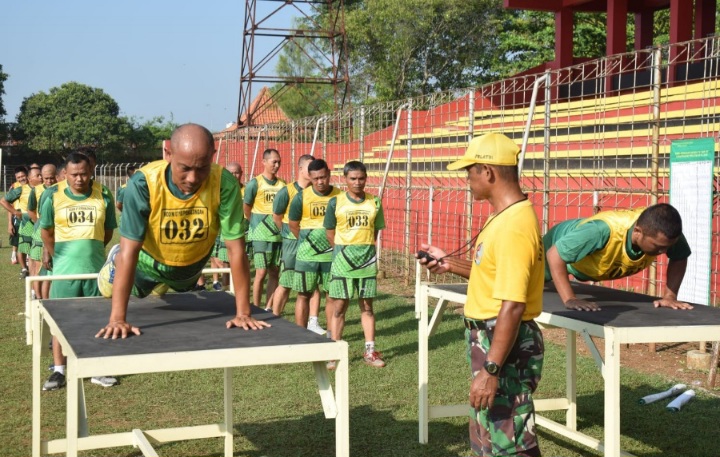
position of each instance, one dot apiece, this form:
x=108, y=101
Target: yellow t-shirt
x=181, y=232
x=292, y=190
x=314, y=208
x=612, y=261
x=355, y=222
x=265, y=195
x=79, y=220
x=508, y=264
x=22, y=202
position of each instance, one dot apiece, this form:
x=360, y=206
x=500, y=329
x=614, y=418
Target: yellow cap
x=491, y=149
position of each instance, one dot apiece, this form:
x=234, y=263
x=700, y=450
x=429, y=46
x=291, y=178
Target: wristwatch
x=491, y=367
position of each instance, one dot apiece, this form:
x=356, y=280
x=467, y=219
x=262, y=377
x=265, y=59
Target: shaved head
x=190, y=155
x=192, y=137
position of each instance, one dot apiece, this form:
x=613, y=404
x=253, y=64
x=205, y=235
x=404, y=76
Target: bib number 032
x=184, y=226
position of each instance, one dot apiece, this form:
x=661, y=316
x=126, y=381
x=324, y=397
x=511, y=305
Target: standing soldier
x=48, y=173
x=314, y=253
x=77, y=219
x=353, y=221
x=264, y=234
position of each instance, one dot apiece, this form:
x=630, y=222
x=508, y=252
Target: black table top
x=619, y=308
x=172, y=323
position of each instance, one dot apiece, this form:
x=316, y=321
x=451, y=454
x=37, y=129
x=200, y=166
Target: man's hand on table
x=247, y=323
x=579, y=304
x=117, y=329
x=671, y=303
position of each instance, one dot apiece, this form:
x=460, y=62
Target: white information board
x=691, y=192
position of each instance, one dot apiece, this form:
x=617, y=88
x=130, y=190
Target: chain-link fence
x=596, y=136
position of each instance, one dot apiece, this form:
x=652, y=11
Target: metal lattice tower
x=324, y=45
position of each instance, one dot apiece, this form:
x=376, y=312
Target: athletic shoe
x=198, y=287
x=13, y=258
x=331, y=365
x=374, y=359
x=105, y=381
x=55, y=381
x=315, y=327
x=217, y=286
x=24, y=273
x=107, y=273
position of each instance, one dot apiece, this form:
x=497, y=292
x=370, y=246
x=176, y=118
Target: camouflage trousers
x=508, y=428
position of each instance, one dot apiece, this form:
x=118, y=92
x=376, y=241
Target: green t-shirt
x=280, y=205
x=313, y=245
x=77, y=256
x=136, y=211
x=574, y=242
x=119, y=193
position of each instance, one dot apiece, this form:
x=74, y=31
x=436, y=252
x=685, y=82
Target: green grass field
x=278, y=411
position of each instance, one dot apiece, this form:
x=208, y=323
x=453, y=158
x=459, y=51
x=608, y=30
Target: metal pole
x=546, y=157
x=408, y=193
x=257, y=147
x=654, y=161
x=315, y=135
x=361, y=155
x=526, y=134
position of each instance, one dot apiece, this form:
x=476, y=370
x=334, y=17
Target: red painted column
x=616, y=34
x=644, y=23
x=680, y=31
x=704, y=18
x=564, y=37
x=616, y=26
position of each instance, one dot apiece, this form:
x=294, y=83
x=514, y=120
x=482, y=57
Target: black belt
x=475, y=324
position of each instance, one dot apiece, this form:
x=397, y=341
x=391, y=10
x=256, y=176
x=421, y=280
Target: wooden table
x=180, y=332
x=625, y=317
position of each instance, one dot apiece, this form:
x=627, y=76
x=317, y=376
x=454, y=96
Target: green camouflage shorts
x=308, y=281
x=26, y=232
x=508, y=427
x=347, y=288
x=266, y=254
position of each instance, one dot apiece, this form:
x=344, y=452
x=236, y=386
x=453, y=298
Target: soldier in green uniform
x=352, y=223
x=15, y=202
x=281, y=209
x=77, y=219
x=613, y=245
x=173, y=210
x=266, y=241
x=48, y=173
x=314, y=253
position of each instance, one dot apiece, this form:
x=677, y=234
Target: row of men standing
x=310, y=237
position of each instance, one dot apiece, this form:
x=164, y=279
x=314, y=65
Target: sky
x=176, y=59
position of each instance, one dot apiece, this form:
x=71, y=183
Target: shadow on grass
x=648, y=430
x=372, y=433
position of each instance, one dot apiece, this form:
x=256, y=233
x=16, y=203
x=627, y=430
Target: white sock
x=60, y=369
x=369, y=346
x=312, y=320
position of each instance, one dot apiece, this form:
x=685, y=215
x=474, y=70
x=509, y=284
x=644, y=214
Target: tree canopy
x=3, y=128
x=416, y=47
x=69, y=117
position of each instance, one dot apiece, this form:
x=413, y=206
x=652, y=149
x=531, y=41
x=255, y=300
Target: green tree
x=69, y=117
x=3, y=126
x=143, y=139
x=415, y=47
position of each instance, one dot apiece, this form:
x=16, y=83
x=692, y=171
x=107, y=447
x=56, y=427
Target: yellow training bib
x=79, y=220
x=181, y=232
x=314, y=207
x=355, y=221
x=265, y=195
x=612, y=261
